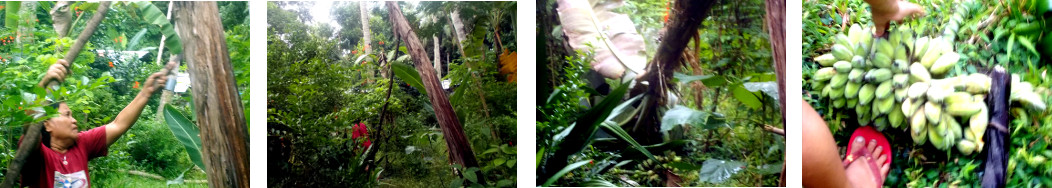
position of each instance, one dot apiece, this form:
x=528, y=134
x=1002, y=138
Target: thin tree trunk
x=217, y=103
x=776, y=30
x=459, y=147
x=438, y=59
x=366, y=34
x=458, y=29
x=31, y=139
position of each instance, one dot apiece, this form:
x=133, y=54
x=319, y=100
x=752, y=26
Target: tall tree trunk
x=217, y=103
x=459, y=147
x=458, y=29
x=776, y=31
x=438, y=59
x=684, y=20
x=366, y=34
x=31, y=139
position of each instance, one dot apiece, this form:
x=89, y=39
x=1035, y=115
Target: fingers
x=63, y=62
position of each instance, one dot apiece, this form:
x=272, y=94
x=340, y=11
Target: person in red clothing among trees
x=62, y=160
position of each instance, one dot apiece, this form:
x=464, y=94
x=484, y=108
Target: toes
x=872, y=145
x=858, y=144
x=881, y=159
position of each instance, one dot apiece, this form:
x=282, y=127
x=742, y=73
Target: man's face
x=63, y=126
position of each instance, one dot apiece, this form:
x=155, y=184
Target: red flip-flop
x=869, y=133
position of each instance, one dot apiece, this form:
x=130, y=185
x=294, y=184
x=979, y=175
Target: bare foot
x=895, y=11
x=859, y=173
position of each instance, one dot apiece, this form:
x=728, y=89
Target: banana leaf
x=186, y=132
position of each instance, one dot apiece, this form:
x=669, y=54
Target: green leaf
x=409, y=75
x=469, y=174
x=510, y=163
x=562, y=172
x=505, y=183
x=616, y=130
x=133, y=44
x=746, y=97
x=707, y=80
x=717, y=171
x=360, y=58
x=186, y=132
x=597, y=183
x=153, y=15
x=680, y=115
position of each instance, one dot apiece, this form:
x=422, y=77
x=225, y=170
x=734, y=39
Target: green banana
x=884, y=106
x=824, y=74
x=900, y=94
x=838, y=80
x=878, y=75
x=858, y=62
x=901, y=66
x=919, y=73
x=966, y=147
x=896, y=117
x=851, y=90
x=917, y=90
x=867, y=93
x=842, y=39
x=901, y=81
x=856, y=75
x=979, y=121
x=842, y=53
x=933, y=112
x=842, y=66
x=881, y=60
x=965, y=109
x=945, y=63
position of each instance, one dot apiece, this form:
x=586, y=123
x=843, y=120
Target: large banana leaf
x=155, y=16
x=409, y=75
x=186, y=132
x=586, y=26
x=11, y=14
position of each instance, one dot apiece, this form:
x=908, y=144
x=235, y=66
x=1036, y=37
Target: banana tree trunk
x=459, y=148
x=776, y=31
x=31, y=139
x=216, y=101
x=27, y=17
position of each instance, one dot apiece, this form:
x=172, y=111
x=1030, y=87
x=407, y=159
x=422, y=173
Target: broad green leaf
x=469, y=174
x=680, y=115
x=186, y=132
x=717, y=171
x=770, y=88
x=562, y=172
x=409, y=75
x=155, y=16
x=746, y=97
x=360, y=58
x=511, y=163
x=707, y=80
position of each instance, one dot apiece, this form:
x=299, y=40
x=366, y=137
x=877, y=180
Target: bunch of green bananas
x=648, y=171
x=875, y=76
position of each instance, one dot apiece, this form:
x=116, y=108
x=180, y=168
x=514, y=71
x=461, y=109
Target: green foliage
x=186, y=132
x=723, y=95
x=323, y=82
x=990, y=34
x=102, y=82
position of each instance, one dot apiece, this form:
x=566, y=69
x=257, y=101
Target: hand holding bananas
x=886, y=11
x=875, y=76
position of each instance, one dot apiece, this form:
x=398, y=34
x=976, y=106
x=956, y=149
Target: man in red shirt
x=64, y=151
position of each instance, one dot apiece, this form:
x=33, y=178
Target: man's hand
x=887, y=11
x=157, y=80
x=57, y=72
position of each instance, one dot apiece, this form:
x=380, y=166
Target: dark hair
x=45, y=136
